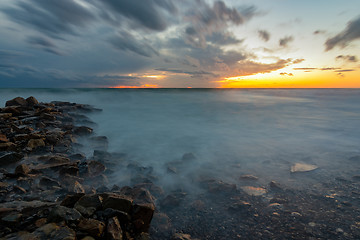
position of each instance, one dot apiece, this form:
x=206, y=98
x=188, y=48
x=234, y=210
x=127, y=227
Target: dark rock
x=99, y=142
x=88, y=204
x=61, y=213
x=25, y=183
x=54, y=231
x=7, y=158
x=248, y=177
x=35, y=143
x=274, y=186
x=18, y=101
x=75, y=187
x=83, y=130
x=22, y=169
x=172, y=200
x=93, y=227
x=13, y=218
x=71, y=199
x=47, y=182
x=182, y=236
x=3, y=138
x=8, y=146
x=117, y=202
x=70, y=170
x=123, y=217
x=240, y=206
x=31, y=101
x=18, y=189
x=77, y=156
x=142, y=215
x=95, y=168
x=113, y=230
x=5, y=115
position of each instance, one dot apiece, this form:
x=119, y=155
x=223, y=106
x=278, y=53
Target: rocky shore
x=50, y=190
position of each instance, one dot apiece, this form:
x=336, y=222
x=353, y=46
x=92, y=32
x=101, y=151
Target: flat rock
x=302, y=167
x=254, y=191
x=117, y=202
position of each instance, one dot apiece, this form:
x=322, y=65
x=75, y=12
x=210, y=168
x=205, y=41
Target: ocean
x=231, y=132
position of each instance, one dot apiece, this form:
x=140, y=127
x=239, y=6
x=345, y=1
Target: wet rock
x=88, y=238
x=274, y=186
x=138, y=194
x=35, y=143
x=302, y=167
x=31, y=101
x=95, y=168
x=218, y=186
x=113, y=230
x=83, y=130
x=117, y=202
x=248, y=177
x=47, y=182
x=3, y=138
x=182, y=236
x=254, y=191
x=99, y=142
x=5, y=115
x=7, y=158
x=71, y=199
x=18, y=189
x=54, y=159
x=240, y=206
x=13, y=218
x=18, y=101
x=61, y=213
x=22, y=169
x=142, y=215
x=296, y=214
x=88, y=204
x=75, y=187
x=70, y=170
x=7, y=146
x=172, y=200
x=161, y=222
x=54, y=231
x=93, y=227
x=108, y=213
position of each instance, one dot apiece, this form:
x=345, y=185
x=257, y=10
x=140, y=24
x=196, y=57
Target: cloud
x=305, y=69
x=149, y=14
x=126, y=42
x=50, y=17
x=248, y=67
x=264, y=35
x=317, y=32
x=351, y=33
x=191, y=73
x=299, y=60
x=348, y=58
x=286, y=74
x=45, y=44
x=328, y=69
x=345, y=70
x=223, y=39
x=283, y=42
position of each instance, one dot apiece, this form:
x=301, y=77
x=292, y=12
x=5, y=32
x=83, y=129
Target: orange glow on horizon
x=142, y=86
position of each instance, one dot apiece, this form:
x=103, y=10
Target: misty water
x=231, y=132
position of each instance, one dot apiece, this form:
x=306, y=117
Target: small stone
x=40, y=222
x=22, y=169
x=88, y=238
x=94, y=227
x=339, y=230
x=254, y=191
x=302, y=167
x=182, y=236
x=296, y=214
x=249, y=177
x=312, y=224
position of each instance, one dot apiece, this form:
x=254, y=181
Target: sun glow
x=141, y=86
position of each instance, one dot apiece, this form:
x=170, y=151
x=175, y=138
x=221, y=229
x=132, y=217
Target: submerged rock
x=254, y=191
x=302, y=167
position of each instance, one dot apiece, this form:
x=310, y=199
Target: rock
x=13, y=218
x=182, y=236
x=61, y=213
x=54, y=231
x=7, y=158
x=239, y=206
x=142, y=215
x=248, y=177
x=5, y=115
x=274, y=186
x=95, y=168
x=18, y=101
x=3, y=138
x=312, y=224
x=218, y=186
x=296, y=214
x=48, y=182
x=18, y=189
x=83, y=130
x=70, y=170
x=7, y=146
x=57, y=160
x=88, y=204
x=31, y=101
x=35, y=143
x=94, y=227
x=172, y=200
x=71, y=199
x=113, y=230
x=254, y=191
x=99, y=142
x=108, y=213
x=117, y=202
x=88, y=238
x=302, y=167
x=138, y=194
x=75, y=187
x=22, y=169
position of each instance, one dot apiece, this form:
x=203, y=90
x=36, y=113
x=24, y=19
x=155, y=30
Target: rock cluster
x=49, y=190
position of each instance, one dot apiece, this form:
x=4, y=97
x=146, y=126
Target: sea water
x=261, y=132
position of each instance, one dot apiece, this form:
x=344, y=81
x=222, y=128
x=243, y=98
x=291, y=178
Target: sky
x=180, y=43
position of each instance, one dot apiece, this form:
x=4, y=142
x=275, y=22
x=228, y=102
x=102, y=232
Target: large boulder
x=31, y=101
x=18, y=101
x=117, y=202
x=88, y=204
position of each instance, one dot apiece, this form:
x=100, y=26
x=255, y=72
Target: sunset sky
x=182, y=43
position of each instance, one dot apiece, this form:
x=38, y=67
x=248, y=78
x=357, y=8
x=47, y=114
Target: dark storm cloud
x=264, y=35
x=283, y=42
x=45, y=44
x=191, y=73
x=147, y=13
x=351, y=33
x=206, y=20
x=348, y=58
x=126, y=42
x=51, y=17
